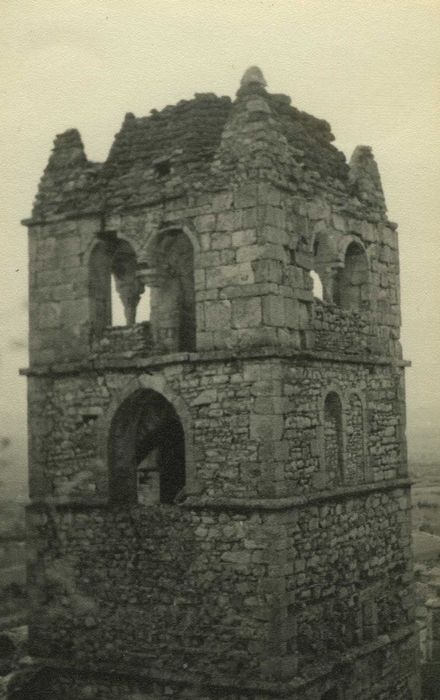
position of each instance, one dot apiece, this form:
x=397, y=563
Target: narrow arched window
x=333, y=440
x=355, y=447
x=114, y=286
x=146, y=451
x=323, y=259
x=317, y=285
x=351, y=281
x=173, y=295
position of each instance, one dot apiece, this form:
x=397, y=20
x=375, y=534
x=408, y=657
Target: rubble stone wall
x=235, y=596
x=256, y=427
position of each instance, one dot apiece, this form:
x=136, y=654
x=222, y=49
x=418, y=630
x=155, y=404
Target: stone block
x=217, y=314
x=271, y=404
x=75, y=313
x=246, y=237
x=266, y=427
x=249, y=218
x=246, y=312
x=304, y=260
x=49, y=315
x=276, y=450
x=207, y=397
x=250, y=252
x=273, y=310
x=44, y=249
x=222, y=201
x=318, y=209
x=249, y=290
x=279, y=236
x=229, y=221
x=262, y=386
x=268, y=271
x=267, y=194
x=241, y=273
x=207, y=294
x=257, y=105
x=339, y=222
x=68, y=246
x=209, y=258
x=220, y=241
x=245, y=195
x=205, y=340
x=205, y=223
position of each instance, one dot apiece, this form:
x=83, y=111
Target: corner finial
x=253, y=75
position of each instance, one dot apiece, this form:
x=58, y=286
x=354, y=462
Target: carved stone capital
x=150, y=276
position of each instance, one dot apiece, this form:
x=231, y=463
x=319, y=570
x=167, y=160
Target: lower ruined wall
x=352, y=579
x=227, y=597
x=161, y=587
x=388, y=674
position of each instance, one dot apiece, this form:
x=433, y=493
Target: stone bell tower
x=219, y=488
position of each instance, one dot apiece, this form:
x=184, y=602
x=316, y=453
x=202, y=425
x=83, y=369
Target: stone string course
x=283, y=569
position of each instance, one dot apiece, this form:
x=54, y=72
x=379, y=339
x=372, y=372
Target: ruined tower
x=219, y=488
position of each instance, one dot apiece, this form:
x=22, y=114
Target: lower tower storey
x=304, y=600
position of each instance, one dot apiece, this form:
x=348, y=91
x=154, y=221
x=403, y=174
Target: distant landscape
x=426, y=511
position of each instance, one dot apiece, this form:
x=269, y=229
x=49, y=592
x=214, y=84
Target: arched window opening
x=114, y=286
x=146, y=451
x=333, y=445
x=117, y=307
x=351, y=281
x=173, y=295
x=355, y=449
x=127, y=284
x=323, y=259
x=317, y=285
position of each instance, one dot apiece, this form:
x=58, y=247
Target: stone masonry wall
x=255, y=426
x=283, y=568
x=253, y=252
x=249, y=598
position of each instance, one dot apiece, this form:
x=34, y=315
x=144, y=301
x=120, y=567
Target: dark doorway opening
x=146, y=451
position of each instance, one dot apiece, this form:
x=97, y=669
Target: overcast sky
x=372, y=69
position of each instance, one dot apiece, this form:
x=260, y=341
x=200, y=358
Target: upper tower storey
x=239, y=224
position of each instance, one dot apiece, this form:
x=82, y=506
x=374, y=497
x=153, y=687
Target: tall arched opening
x=146, y=451
x=173, y=295
x=333, y=438
x=114, y=285
x=351, y=282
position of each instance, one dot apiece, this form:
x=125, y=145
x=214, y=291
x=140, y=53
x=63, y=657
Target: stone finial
x=253, y=75
x=129, y=119
x=364, y=176
x=68, y=151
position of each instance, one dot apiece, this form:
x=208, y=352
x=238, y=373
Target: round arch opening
x=351, y=282
x=146, y=450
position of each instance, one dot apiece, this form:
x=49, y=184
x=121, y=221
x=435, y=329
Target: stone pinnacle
x=253, y=75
